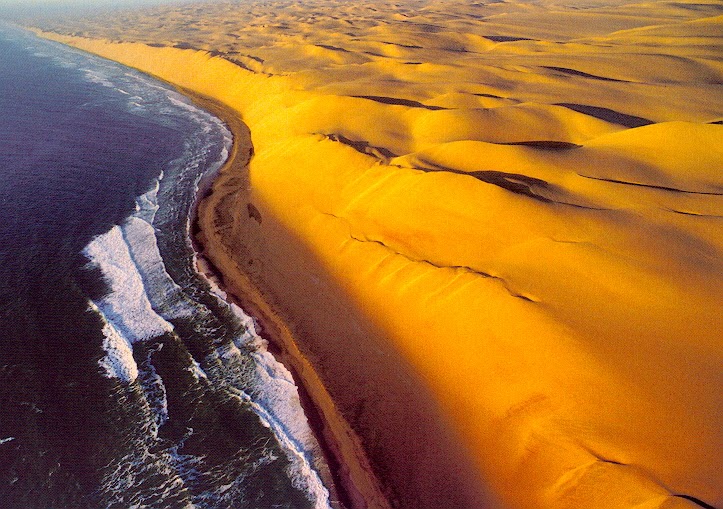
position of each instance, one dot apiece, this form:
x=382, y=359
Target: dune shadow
x=608, y=115
x=513, y=182
x=506, y=38
x=574, y=72
x=696, y=501
x=697, y=7
x=212, y=52
x=545, y=144
x=332, y=48
x=408, y=46
x=425, y=27
x=398, y=102
x=491, y=96
x=381, y=153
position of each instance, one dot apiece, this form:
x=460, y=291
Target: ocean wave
x=126, y=306
x=118, y=361
x=147, y=203
x=166, y=298
x=98, y=78
x=154, y=389
x=146, y=298
x=158, y=357
x=300, y=471
x=274, y=397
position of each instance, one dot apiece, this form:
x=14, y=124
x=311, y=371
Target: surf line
x=352, y=479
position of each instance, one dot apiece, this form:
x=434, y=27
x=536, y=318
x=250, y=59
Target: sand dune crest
x=489, y=224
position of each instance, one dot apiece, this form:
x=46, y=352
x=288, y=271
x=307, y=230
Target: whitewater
x=207, y=417
x=144, y=300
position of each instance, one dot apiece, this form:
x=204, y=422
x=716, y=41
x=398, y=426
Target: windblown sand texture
x=493, y=228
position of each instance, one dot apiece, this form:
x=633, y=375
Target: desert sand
x=486, y=236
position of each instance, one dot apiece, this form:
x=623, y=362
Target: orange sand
x=513, y=245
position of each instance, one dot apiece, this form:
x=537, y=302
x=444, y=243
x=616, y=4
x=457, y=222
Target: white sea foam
x=155, y=391
x=209, y=122
x=300, y=471
x=279, y=395
x=98, y=78
x=135, y=469
x=166, y=297
x=180, y=101
x=126, y=306
x=147, y=203
x=204, y=270
x=197, y=370
x=144, y=298
x=118, y=361
x=136, y=107
x=275, y=399
x=61, y=62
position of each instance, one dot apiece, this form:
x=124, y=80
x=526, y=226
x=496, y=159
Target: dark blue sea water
x=125, y=379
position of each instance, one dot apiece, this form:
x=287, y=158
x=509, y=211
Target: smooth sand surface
x=493, y=230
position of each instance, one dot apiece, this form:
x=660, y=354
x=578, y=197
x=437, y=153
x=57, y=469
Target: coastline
x=353, y=480
x=359, y=476
x=493, y=308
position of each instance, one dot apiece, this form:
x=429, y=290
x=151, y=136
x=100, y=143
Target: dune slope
x=494, y=231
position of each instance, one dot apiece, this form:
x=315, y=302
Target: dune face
x=493, y=231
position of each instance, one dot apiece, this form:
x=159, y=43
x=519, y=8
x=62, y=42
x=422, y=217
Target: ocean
x=125, y=379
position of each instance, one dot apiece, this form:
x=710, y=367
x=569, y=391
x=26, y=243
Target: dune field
x=486, y=236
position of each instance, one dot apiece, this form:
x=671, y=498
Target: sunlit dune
x=493, y=230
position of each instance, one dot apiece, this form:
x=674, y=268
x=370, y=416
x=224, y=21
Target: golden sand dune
x=494, y=231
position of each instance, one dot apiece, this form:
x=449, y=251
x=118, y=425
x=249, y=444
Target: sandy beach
x=349, y=476
x=486, y=238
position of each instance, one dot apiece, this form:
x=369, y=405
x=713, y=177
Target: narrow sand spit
x=486, y=237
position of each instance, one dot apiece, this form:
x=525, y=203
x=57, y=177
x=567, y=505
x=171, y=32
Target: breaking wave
x=156, y=302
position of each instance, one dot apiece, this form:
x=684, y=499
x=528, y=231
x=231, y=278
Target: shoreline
x=388, y=453
x=353, y=481
x=447, y=317
x=281, y=344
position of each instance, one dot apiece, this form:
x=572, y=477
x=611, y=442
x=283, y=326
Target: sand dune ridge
x=516, y=203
